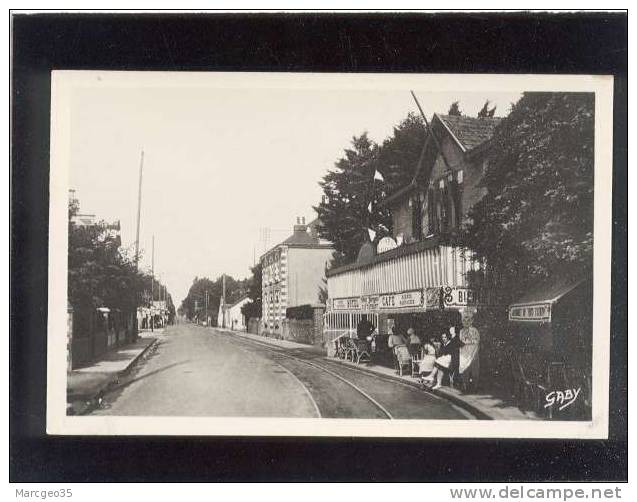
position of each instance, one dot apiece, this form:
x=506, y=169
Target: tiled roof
x=470, y=131
x=300, y=239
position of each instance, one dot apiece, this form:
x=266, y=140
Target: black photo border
x=488, y=42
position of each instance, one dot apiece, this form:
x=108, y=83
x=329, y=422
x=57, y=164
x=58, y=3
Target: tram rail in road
x=341, y=373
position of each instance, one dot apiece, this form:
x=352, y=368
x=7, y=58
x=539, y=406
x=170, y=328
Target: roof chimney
x=300, y=225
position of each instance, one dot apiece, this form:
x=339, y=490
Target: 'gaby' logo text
x=562, y=398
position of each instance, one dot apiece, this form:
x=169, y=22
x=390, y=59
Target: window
x=416, y=217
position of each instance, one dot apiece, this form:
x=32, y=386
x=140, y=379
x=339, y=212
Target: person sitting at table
x=441, y=364
x=394, y=340
x=414, y=342
x=427, y=358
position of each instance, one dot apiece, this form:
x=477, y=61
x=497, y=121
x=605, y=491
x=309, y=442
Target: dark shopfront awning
x=537, y=304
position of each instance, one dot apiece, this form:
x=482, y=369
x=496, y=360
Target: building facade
x=231, y=316
x=418, y=277
x=293, y=271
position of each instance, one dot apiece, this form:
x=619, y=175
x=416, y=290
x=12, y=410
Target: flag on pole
x=378, y=176
x=369, y=208
x=372, y=234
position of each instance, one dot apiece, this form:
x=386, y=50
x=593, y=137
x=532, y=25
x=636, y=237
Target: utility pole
x=223, y=300
x=139, y=209
x=152, y=286
x=207, y=322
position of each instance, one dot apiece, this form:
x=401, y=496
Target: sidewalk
x=285, y=344
x=85, y=385
x=484, y=406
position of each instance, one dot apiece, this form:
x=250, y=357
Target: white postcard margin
x=58, y=423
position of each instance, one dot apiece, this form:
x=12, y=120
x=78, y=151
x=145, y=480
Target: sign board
x=370, y=302
x=540, y=312
x=386, y=244
x=451, y=297
x=347, y=303
x=402, y=300
x=432, y=298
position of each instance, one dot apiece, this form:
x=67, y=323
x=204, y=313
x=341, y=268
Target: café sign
x=402, y=300
x=540, y=312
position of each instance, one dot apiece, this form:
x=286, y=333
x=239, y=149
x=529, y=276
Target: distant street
x=197, y=371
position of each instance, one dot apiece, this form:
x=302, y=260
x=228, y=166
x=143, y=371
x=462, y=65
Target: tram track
x=279, y=353
x=344, y=373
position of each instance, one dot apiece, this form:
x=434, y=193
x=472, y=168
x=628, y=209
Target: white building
x=233, y=318
x=293, y=272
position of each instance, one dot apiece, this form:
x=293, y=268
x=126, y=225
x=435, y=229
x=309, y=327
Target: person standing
x=364, y=328
x=469, y=365
x=454, y=349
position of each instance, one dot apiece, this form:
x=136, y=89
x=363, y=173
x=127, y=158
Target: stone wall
x=308, y=331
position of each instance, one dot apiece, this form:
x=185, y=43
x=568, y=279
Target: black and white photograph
x=314, y=254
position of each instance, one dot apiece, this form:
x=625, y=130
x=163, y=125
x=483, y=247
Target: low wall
x=309, y=331
x=298, y=330
x=254, y=325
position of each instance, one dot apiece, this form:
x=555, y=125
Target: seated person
x=427, y=358
x=414, y=342
x=393, y=341
x=441, y=364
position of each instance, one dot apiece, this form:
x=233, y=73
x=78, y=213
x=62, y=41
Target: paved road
x=198, y=371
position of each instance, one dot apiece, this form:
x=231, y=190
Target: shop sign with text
x=369, y=302
x=347, y=304
x=534, y=313
x=402, y=300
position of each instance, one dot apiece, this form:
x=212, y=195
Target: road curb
x=138, y=357
x=474, y=410
x=90, y=401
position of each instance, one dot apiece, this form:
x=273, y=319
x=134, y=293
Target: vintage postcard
x=296, y=254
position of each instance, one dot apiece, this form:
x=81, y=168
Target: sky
x=220, y=164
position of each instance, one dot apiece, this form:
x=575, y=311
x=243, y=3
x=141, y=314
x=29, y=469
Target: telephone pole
x=223, y=300
x=139, y=209
x=152, y=286
x=207, y=320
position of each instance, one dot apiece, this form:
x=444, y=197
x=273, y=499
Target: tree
x=99, y=273
x=350, y=190
x=195, y=302
x=536, y=218
x=254, y=306
x=454, y=109
x=486, y=112
x=398, y=155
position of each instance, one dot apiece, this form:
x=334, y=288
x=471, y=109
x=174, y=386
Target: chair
x=340, y=349
x=360, y=352
x=528, y=393
x=422, y=363
x=403, y=357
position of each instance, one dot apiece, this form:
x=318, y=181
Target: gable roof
x=469, y=132
x=301, y=239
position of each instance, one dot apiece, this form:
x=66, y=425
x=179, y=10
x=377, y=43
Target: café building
x=418, y=277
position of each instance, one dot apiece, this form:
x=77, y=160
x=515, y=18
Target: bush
x=299, y=312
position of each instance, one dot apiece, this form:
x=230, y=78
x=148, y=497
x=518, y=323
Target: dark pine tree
x=454, y=109
x=484, y=111
x=348, y=191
